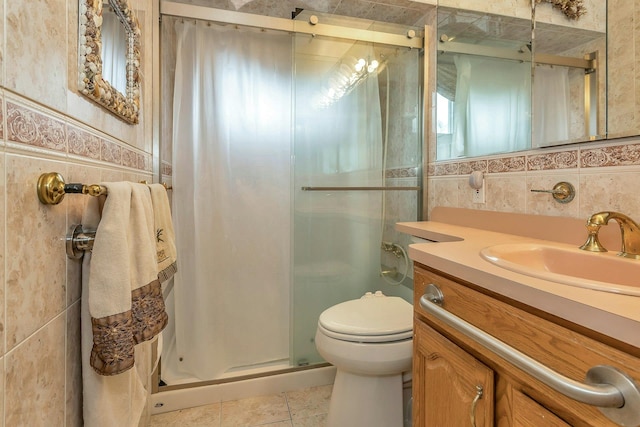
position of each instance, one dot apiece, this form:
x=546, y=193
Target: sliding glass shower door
x=341, y=147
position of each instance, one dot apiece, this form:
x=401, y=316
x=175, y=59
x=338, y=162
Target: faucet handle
x=593, y=243
x=563, y=192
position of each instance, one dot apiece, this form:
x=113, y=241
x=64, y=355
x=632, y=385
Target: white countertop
x=614, y=315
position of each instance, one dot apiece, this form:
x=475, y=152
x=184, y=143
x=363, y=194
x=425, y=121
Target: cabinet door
x=450, y=381
x=529, y=413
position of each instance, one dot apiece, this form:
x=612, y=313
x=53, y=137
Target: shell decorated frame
x=91, y=83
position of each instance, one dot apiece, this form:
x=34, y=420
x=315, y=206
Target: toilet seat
x=371, y=319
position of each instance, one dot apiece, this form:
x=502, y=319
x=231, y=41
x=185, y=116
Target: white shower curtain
x=232, y=208
x=551, y=109
x=114, y=50
x=497, y=95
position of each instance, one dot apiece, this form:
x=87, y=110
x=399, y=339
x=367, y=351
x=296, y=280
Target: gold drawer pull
x=479, y=393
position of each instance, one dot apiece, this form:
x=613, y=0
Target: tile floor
x=300, y=408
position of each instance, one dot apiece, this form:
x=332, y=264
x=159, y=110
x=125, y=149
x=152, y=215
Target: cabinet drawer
x=528, y=413
x=560, y=348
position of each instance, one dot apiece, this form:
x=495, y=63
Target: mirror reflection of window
x=114, y=50
x=444, y=125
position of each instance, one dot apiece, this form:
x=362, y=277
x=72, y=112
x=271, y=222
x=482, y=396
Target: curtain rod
x=523, y=54
x=312, y=26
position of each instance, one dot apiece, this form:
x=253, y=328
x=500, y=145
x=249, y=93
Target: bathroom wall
x=45, y=125
x=605, y=176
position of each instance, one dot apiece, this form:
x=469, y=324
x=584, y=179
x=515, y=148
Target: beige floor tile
x=309, y=402
x=201, y=416
x=255, y=411
x=315, y=421
x=300, y=408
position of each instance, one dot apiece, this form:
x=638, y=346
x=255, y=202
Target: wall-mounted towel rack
x=52, y=188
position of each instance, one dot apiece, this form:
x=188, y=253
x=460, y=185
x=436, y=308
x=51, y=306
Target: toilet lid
x=375, y=317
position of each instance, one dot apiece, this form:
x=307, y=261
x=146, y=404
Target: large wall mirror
x=536, y=78
x=109, y=56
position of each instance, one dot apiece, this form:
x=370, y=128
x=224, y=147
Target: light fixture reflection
x=344, y=78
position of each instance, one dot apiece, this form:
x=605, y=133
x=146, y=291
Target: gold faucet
x=629, y=230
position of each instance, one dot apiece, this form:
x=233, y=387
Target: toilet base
x=366, y=401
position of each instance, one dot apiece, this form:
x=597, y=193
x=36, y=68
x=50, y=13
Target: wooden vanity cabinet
x=448, y=366
x=450, y=381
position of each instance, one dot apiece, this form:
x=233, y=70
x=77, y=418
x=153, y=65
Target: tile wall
x=45, y=125
x=605, y=175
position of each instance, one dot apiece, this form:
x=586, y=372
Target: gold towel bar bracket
x=52, y=188
x=78, y=240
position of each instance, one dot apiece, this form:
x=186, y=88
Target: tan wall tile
x=36, y=269
x=544, y=203
x=35, y=378
x=506, y=193
x=37, y=50
x=608, y=190
x=2, y=254
x=2, y=387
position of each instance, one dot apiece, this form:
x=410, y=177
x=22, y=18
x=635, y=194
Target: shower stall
x=296, y=147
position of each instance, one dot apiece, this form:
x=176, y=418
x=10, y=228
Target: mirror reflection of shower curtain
x=492, y=107
x=114, y=51
x=232, y=207
x=551, y=109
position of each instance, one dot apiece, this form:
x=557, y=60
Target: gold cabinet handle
x=479, y=393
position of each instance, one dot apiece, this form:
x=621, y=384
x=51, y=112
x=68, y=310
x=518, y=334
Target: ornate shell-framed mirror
x=109, y=56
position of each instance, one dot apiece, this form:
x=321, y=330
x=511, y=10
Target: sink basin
x=602, y=271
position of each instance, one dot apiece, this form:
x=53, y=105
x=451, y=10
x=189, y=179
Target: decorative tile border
x=447, y=169
x=582, y=157
x=397, y=173
x=167, y=168
x=129, y=158
x=2, y=132
x=551, y=161
x=466, y=168
x=111, y=152
x=620, y=155
x=507, y=164
x=83, y=143
x=144, y=162
x=29, y=127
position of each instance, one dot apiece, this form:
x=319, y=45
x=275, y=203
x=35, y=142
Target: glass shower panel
x=340, y=142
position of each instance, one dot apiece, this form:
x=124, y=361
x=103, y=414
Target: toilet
x=369, y=341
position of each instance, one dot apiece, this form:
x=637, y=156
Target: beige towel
x=165, y=236
x=125, y=298
x=107, y=401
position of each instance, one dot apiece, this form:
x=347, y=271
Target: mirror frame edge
x=90, y=82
